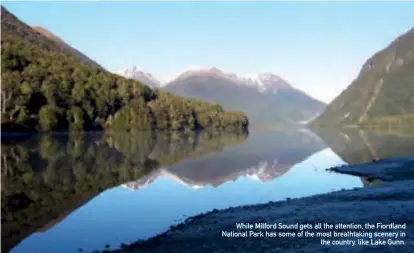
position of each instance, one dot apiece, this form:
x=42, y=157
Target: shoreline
x=387, y=170
x=389, y=203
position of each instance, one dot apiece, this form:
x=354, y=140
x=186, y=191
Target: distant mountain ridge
x=263, y=82
x=266, y=98
x=383, y=92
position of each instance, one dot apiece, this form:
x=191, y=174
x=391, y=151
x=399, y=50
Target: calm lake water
x=64, y=192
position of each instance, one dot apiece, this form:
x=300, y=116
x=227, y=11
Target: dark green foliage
x=176, y=113
x=49, y=116
x=75, y=117
x=135, y=115
x=46, y=87
x=384, y=87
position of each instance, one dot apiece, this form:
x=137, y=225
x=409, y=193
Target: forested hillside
x=383, y=92
x=46, y=87
x=78, y=55
x=40, y=36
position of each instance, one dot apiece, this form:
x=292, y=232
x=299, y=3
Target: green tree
x=75, y=118
x=49, y=117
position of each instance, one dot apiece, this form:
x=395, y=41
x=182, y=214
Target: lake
x=62, y=192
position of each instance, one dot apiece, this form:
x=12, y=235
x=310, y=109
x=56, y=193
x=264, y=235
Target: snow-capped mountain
x=263, y=82
x=266, y=82
x=265, y=98
x=141, y=76
x=206, y=72
x=145, y=181
x=263, y=171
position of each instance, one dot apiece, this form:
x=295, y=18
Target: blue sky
x=317, y=46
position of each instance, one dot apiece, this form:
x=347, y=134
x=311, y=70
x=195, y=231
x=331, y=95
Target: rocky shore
x=388, y=206
x=393, y=169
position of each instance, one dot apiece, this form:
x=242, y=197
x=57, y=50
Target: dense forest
x=46, y=87
x=47, y=176
x=383, y=92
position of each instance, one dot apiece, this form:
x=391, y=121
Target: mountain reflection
x=263, y=156
x=46, y=177
x=355, y=146
x=360, y=146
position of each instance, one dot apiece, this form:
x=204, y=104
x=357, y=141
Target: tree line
x=45, y=89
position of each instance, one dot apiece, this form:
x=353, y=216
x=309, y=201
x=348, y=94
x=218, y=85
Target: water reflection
x=64, y=192
x=263, y=156
x=361, y=146
x=51, y=177
x=46, y=177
